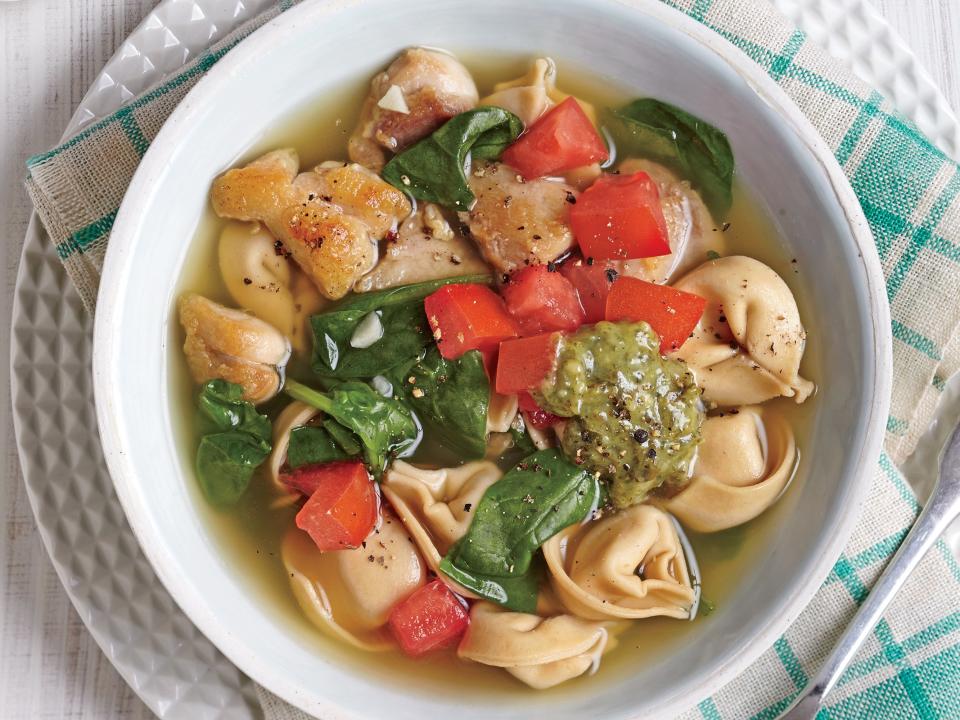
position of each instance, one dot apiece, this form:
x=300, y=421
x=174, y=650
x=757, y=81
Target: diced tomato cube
x=468, y=317
x=429, y=619
x=536, y=415
x=563, y=139
x=672, y=313
x=619, y=217
x=524, y=363
x=342, y=508
x=542, y=300
x=592, y=280
x=305, y=478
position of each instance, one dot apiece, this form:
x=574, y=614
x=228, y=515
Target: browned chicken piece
x=518, y=222
x=361, y=193
x=333, y=248
x=234, y=346
x=260, y=190
x=329, y=219
x=426, y=248
x=420, y=91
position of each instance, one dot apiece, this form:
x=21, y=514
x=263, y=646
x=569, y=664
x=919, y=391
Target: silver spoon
x=942, y=508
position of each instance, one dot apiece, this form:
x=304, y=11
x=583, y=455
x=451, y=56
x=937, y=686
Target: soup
x=517, y=386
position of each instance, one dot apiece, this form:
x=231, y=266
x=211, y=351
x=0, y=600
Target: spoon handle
x=942, y=508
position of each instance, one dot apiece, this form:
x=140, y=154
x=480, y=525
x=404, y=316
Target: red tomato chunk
x=562, y=139
x=619, y=217
x=673, y=314
x=468, y=317
x=536, y=415
x=429, y=619
x=542, y=300
x=592, y=280
x=342, y=508
x=524, y=363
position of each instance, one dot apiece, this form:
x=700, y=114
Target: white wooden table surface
x=50, y=52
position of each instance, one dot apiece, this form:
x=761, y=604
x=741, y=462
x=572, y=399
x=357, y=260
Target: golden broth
x=249, y=533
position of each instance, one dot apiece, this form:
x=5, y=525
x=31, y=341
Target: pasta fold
x=744, y=463
x=629, y=565
x=349, y=593
x=748, y=346
x=541, y=652
x=436, y=506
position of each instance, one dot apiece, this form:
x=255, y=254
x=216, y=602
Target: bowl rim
x=227, y=70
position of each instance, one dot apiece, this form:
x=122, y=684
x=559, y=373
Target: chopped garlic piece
x=368, y=331
x=393, y=100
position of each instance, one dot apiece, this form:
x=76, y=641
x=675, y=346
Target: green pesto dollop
x=635, y=415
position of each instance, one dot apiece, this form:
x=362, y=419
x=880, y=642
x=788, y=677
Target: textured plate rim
x=309, y=13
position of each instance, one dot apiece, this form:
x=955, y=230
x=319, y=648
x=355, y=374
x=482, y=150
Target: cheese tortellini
x=629, y=565
x=745, y=461
x=349, y=593
x=542, y=652
x=748, y=345
x=436, y=505
x=532, y=94
x=266, y=283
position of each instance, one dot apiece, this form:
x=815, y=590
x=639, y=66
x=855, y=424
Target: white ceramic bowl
x=638, y=44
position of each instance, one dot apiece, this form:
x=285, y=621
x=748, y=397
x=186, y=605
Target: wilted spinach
x=433, y=169
x=386, y=427
x=521, y=438
x=526, y=507
x=517, y=593
x=221, y=407
x=697, y=150
x=451, y=397
x=236, y=441
x=345, y=438
x=310, y=445
x=405, y=330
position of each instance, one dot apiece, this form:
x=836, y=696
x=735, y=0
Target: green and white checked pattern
x=908, y=190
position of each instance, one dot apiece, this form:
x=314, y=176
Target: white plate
x=170, y=665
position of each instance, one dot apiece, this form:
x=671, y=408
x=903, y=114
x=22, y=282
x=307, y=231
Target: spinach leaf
x=697, y=150
x=521, y=438
x=385, y=426
x=236, y=441
x=222, y=408
x=225, y=463
x=526, y=507
x=405, y=334
x=345, y=438
x=405, y=330
x=433, y=169
x=405, y=293
x=310, y=445
x=451, y=397
x=517, y=593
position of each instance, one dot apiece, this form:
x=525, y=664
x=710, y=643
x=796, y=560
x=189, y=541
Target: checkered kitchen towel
x=908, y=190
